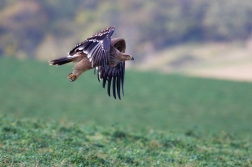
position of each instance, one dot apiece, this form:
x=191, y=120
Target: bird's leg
x=72, y=77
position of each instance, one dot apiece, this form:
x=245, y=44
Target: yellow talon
x=72, y=77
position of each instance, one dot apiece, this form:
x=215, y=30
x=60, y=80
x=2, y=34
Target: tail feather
x=61, y=61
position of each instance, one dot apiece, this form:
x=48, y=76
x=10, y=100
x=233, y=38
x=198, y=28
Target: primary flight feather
x=101, y=53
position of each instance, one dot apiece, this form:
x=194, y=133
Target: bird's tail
x=62, y=60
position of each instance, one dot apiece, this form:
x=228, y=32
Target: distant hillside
x=222, y=60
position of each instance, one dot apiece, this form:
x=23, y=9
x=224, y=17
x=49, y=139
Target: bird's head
x=126, y=57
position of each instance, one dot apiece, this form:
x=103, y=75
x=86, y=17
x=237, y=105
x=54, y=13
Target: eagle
x=102, y=53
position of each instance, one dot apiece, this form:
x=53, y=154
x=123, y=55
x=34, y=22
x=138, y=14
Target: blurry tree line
x=49, y=28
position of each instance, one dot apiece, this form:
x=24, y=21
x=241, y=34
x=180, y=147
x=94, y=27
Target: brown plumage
x=103, y=54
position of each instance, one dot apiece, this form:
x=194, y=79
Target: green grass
x=32, y=142
x=163, y=120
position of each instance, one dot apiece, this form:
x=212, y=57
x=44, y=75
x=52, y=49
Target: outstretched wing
x=97, y=47
x=114, y=77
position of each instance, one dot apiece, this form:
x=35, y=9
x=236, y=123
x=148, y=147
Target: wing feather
x=108, y=88
x=114, y=86
x=116, y=76
x=118, y=87
x=97, y=47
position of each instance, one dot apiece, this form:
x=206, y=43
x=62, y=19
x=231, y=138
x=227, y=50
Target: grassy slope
x=207, y=119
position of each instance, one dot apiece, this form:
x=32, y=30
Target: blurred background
x=190, y=37
x=207, y=38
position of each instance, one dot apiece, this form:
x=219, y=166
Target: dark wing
x=96, y=47
x=119, y=44
x=114, y=77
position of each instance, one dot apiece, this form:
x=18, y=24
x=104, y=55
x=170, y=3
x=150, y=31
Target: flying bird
x=105, y=55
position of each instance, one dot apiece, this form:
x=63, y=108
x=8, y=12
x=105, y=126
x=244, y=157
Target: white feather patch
x=75, y=55
x=85, y=52
x=80, y=48
x=100, y=75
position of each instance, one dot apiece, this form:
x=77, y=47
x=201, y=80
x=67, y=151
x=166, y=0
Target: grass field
x=163, y=120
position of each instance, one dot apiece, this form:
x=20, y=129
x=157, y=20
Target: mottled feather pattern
x=96, y=47
x=105, y=31
x=96, y=38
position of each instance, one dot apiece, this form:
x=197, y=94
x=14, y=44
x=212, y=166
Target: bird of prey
x=103, y=54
